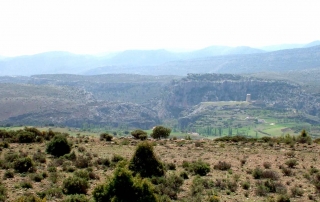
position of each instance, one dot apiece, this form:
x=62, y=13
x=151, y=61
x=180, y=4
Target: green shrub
x=116, y=158
x=51, y=193
x=170, y=186
x=39, y=157
x=171, y=166
x=23, y=165
x=291, y=163
x=257, y=173
x=3, y=192
x=296, y=191
x=245, y=185
x=8, y=174
x=36, y=177
x=200, y=168
x=75, y=185
x=82, y=174
x=144, y=161
x=82, y=162
x=139, y=134
x=106, y=137
x=26, y=184
x=58, y=146
x=26, y=137
x=76, y=198
x=124, y=187
x=304, y=138
x=159, y=132
x=29, y=198
x=11, y=157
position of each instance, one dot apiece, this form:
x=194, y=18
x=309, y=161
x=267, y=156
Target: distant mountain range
x=153, y=62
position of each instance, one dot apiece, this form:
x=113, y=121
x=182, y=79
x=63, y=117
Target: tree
x=139, y=134
x=160, y=132
x=144, y=161
x=58, y=146
x=124, y=187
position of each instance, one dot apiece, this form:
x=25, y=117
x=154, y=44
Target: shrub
x=106, y=137
x=291, y=163
x=200, y=168
x=22, y=165
x=11, y=157
x=76, y=198
x=51, y=193
x=29, y=198
x=75, y=185
x=245, y=185
x=304, y=138
x=270, y=174
x=58, y=146
x=184, y=175
x=82, y=162
x=139, y=134
x=145, y=162
x=8, y=174
x=257, y=173
x=283, y=198
x=39, y=157
x=170, y=186
x=171, y=166
x=287, y=171
x=116, y=158
x=266, y=165
x=36, y=177
x=135, y=189
x=222, y=165
x=26, y=137
x=82, y=174
x=3, y=192
x=159, y=132
x=296, y=191
x=26, y=185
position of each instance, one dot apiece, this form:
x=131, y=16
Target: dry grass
x=234, y=184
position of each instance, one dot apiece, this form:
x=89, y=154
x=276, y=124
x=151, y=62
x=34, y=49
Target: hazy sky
x=91, y=26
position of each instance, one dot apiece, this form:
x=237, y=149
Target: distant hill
x=213, y=59
x=289, y=46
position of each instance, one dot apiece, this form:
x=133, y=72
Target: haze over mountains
x=221, y=59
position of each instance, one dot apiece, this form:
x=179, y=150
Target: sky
x=94, y=26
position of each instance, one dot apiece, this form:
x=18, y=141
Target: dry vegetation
x=232, y=169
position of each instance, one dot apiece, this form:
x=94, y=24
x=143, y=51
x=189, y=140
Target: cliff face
x=195, y=89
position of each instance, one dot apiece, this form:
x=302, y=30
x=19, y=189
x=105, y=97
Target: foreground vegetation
x=51, y=166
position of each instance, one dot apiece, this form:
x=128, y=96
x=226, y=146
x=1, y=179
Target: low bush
x=23, y=165
x=26, y=185
x=106, y=137
x=39, y=157
x=75, y=185
x=291, y=163
x=139, y=134
x=76, y=198
x=222, y=165
x=8, y=174
x=136, y=189
x=170, y=186
x=58, y=146
x=200, y=168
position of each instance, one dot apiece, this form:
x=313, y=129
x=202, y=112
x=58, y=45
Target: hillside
x=137, y=101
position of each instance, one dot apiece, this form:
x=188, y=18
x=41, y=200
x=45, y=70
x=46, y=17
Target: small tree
x=304, y=137
x=145, y=162
x=124, y=187
x=139, y=134
x=160, y=132
x=58, y=146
